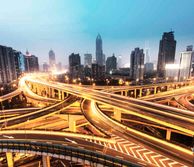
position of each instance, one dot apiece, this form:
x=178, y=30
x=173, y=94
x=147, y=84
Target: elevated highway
x=130, y=144
x=10, y=95
x=147, y=144
x=178, y=119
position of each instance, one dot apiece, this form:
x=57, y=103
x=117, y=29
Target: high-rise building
x=100, y=58
x=52, y=61
x=7, y=65
x=19, y=62
x=59, y=66
x=189, y=48
x=147, y=52
x=74, y=60
x=166, y=53
x=119, y=62
x=45, y=67
x=111, y=64
x=88, y=59
x=74, y=65
x=192, y=60
x=98, y=72
x=186, y=64
x=87, y=72
x=147, y=56
x=149, y=67
x=31, y=63
x=137, y=64
x=103, y=58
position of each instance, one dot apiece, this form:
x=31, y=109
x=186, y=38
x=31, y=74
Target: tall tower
x=52, y=61
x=147, y=52
x=100, y=60
x=166, y=53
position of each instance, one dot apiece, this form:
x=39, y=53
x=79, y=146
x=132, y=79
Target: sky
x=68, y=26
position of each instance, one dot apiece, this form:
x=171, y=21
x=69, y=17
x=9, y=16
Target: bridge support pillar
x=10, y=160
x=140, y=92
x=53, y=93
x=135, y=93
x=155, y=90
x=59, y=94
x=168, y=134
x=126, y=93
x=72, y=123
x=46, y=161
x=122, y=93
x=117, y=114
x=63, y=97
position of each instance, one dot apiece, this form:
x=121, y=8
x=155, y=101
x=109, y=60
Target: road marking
x=146, y=153
x=142, y=163
x=120, y=148
x=172, y=163
x=138, y=151
x=156, y=156
x=161, y=161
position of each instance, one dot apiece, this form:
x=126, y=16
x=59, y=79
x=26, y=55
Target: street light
x=120, y=81
x=127, y=83
x=154, y=80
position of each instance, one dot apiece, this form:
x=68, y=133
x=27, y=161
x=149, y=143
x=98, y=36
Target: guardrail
x=63, y=152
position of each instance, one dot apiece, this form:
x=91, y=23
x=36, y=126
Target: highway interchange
x=128, y=144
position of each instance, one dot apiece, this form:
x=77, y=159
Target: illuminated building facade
x=186, y=64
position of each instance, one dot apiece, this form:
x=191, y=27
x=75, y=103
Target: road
x=166, y=151
x=164, y=115
x=130, y=144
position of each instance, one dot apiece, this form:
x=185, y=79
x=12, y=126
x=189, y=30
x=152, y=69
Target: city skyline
x=72, y=26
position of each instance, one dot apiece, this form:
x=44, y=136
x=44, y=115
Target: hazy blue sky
x=69, y=26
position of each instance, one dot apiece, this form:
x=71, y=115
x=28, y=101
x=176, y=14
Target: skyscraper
x=98, y=72
x=166, y=53
x=137, y=64
x=88, y=59
x=147, y=52
x=147, y=55
x=100, y=58
x=7, y=65
x=19, y=62
x=45, y=67
x=111, y=64
x=119, y=62
x=186, y=64
x=31, y=63
x=52, y=61
x=74, y=65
